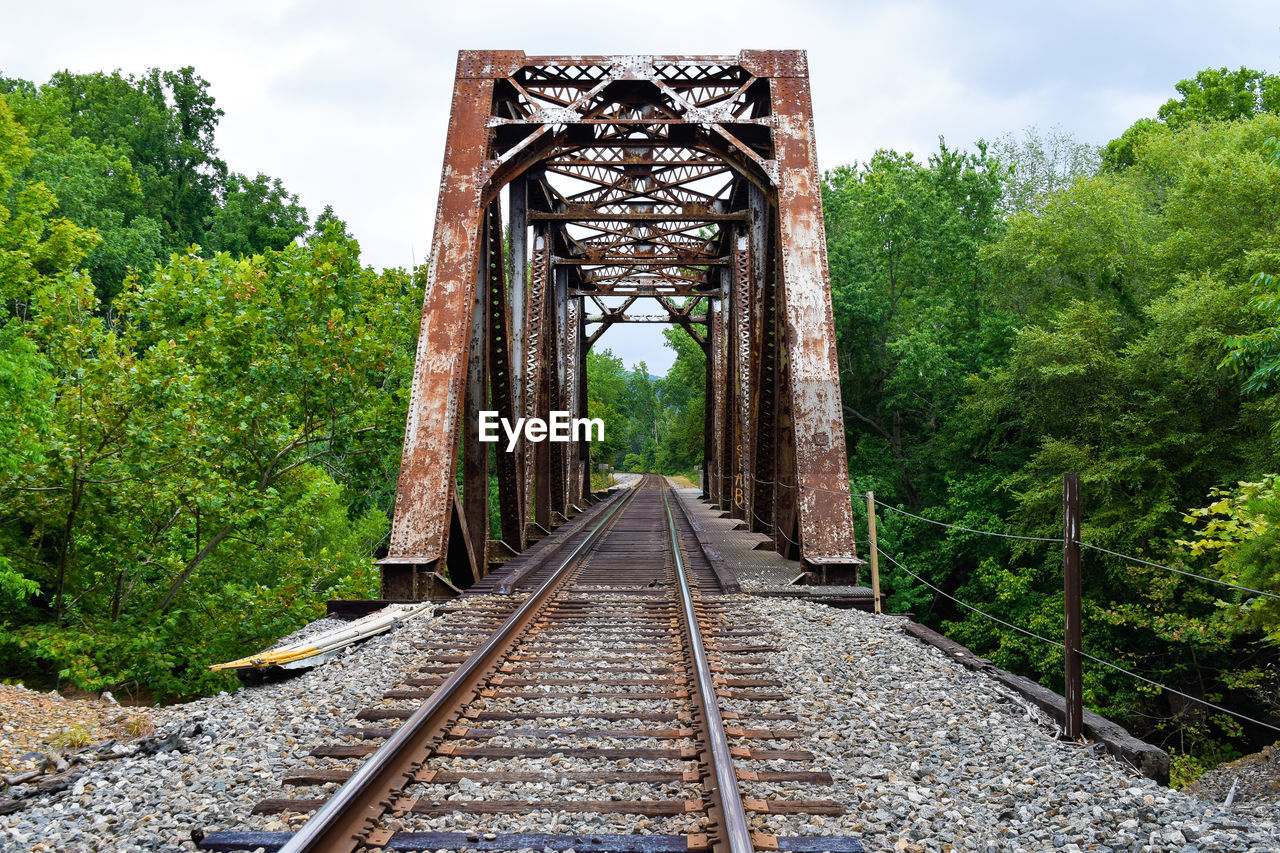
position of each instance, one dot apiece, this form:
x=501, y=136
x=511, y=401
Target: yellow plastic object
x=263, y=659
x=322, y=647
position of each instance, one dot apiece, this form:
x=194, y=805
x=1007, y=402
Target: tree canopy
x=1001, y=322
x=189, y=430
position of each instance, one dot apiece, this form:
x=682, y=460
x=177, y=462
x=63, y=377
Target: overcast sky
x=347, y=103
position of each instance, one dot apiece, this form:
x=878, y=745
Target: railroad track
x=592, y=691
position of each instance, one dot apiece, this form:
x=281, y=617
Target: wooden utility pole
x=875, y=553
x=1074, y=689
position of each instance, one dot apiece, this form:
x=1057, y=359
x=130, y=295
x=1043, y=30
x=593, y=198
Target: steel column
x=424, y=495
x=821, y=466
x=502, y=385
x=475, y=455
x=537, y=491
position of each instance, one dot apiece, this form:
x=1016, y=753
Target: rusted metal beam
x=584, y=448
x=717, y=367
x=813, y=378
x=475, y=455
x=696, y=319
x=739, y=328
x=537, y=455
x=622, y=289
x=764, y=401
x=572, y=385
x=517, y=275
x=420, y=528
x=556, y=326
x=502, y=384
x=632, y=216
x=700, y=178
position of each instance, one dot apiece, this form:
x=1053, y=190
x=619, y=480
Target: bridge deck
x=764, y=572
x=746, y=555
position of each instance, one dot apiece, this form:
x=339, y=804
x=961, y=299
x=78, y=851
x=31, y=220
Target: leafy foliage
x=205, y=435
x=651, y=423
x=1241, y=529
x=1005, y=318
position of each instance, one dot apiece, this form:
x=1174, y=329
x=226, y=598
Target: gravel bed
x=1252, y=782
x=926, y=756
x=930, y=756
x=232, y=750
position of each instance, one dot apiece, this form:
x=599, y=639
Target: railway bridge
x=602, y=660
x=577, y=193
x=598, y=680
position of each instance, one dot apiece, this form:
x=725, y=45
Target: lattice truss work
x=685, y=184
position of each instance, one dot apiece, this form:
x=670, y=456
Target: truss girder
x=687, y=184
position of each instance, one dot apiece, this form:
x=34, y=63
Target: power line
x=1084, y=654
x=1178, y=571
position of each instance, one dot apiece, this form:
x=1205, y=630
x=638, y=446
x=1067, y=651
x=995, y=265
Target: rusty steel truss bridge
x=683, y=186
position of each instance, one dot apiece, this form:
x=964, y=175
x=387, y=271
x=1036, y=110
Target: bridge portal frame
x=688, y=181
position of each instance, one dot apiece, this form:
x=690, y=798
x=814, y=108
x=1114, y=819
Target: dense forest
x=205, y=391
x=654, y=423
x=1038, y=306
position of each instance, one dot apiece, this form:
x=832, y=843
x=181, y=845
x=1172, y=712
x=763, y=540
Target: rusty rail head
x=734, y=830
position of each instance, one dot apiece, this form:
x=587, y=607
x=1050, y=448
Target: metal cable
x=775, y=529
x=1083, y=653
x=1032, y=634
x=970, y=529
x=1014, y=536
x=1178, y=571
x=904, y=512
x=1204, y=702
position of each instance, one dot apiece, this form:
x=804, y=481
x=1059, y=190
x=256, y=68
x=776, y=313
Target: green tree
x=1213, y=95
x=904, y=239
x=1041, y=164
x=1114, y=373
x=1217, y=94
x=683, y=392
x=165, y=121
x=606, y=395
x=1241, y=530
x=256, y=214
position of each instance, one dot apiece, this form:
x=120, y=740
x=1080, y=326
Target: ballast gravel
x=930, y=756
x=926, y=756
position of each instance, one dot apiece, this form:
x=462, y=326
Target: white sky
x=347, y=102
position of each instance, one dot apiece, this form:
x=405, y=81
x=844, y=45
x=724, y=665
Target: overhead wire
x=1218, y=581
x=1018, y=628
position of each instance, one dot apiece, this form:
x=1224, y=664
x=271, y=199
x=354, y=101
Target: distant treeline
x=652, y=423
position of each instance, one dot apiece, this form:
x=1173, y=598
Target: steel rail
x=339, y=823
x=724, y=793
x=728, y=582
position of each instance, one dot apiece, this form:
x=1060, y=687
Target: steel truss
x=688, y=182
